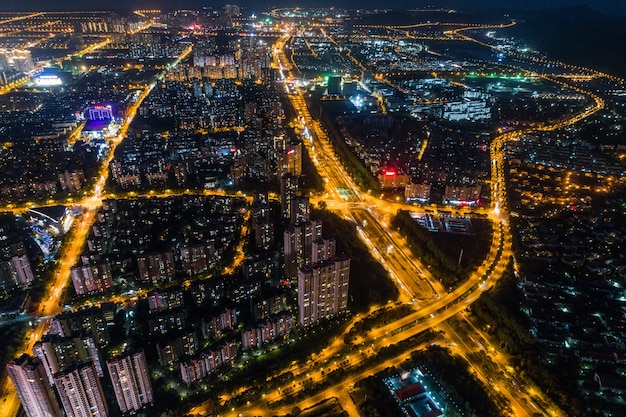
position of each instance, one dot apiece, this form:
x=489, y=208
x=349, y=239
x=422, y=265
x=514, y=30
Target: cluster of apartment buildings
x=68, y=361
x=240, y=145
x=123, y=243
x=79, y=388
x=321, y=274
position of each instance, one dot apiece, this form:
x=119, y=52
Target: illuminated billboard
x=48, y=80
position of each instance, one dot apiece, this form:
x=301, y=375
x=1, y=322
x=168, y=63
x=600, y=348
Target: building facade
x=323, y=289
x=29, y=378
x=92, y=278
x=298, y=245
x=80, y=392
x=58, y=353
x=131, y=381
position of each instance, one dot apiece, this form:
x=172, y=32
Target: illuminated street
x=410, y=276
x=216, y=105
x=53, y=303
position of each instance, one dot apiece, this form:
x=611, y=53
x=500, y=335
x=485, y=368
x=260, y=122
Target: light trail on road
x=412, y=276
x=492, y=269
x=52, y=304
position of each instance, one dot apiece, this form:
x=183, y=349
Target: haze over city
x=607, y=6
x=331, y=209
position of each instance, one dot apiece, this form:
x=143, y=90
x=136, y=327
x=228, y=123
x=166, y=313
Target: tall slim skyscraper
x=80, y=392
x=29, y=378
x=288, y=191
x=323, y=289
x=131, y=381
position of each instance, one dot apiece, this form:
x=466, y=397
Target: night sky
x=607, y=6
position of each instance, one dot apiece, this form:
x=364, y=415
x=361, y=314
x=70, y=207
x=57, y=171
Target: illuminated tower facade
x=57, y=353
x=323, y=289
x=131, y=381
x=80, y=392
x=29, y=378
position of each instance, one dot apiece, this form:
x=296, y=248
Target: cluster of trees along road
x=464, y=395
x=310, y=387
x=441, y=251
x=361, y=175
x=369, y=281
x=379, y=318
x=500, y=311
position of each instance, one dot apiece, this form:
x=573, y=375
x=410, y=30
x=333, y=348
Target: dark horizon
x=605, y=6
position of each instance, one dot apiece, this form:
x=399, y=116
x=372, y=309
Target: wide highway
x=413, y=277
x=433, y=304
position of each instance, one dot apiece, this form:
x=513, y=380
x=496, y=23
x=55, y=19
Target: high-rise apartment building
x=16, y=271
x=131, y=381
x=58, y=353
x=261, y=222
x=290, y=158
x=323, y=249
x=288, y=191
x=323, y=289
x=156, y=268
x=198, y=259
x=298, y=245
x=89, y=320
x=91, y=278
x=300, y=210
x=71, y=181
x=80, y=392
x=29, y=378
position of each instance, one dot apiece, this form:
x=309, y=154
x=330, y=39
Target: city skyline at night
x=350, y=209
x=606, y=6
